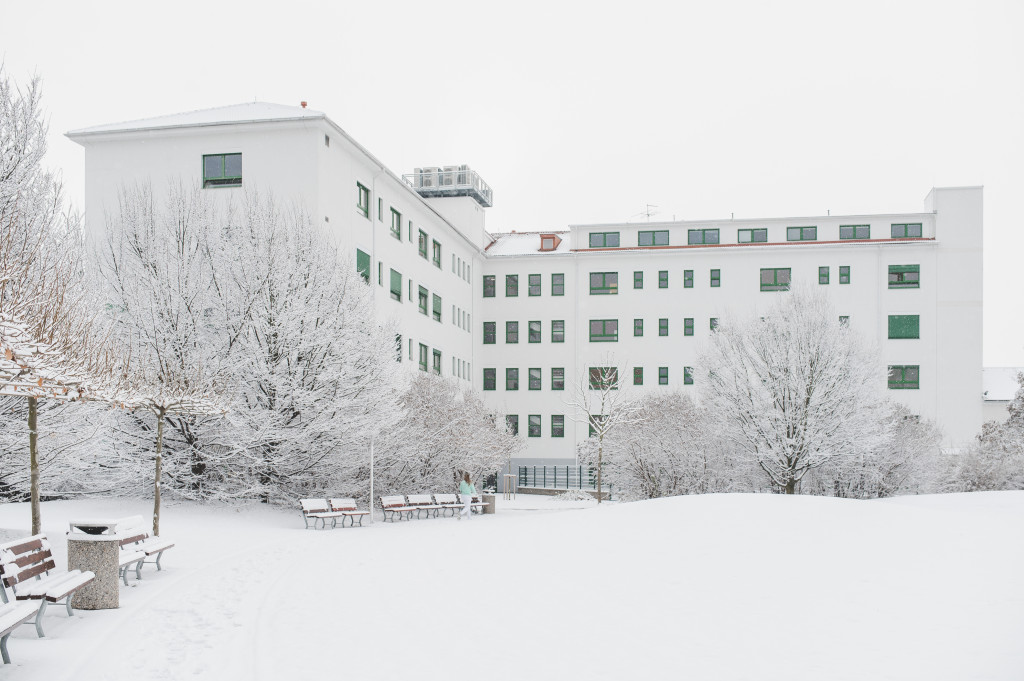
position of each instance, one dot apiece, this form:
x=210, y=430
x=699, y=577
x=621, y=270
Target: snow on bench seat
x=395, y=504
x=423, y=502
x=317, y=510
x=136, y=539
x=448, y=501
x=11, y=616
x=348, y=509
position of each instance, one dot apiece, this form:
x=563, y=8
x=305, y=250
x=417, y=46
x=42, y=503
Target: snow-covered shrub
x=575, y=495
x=996, y=459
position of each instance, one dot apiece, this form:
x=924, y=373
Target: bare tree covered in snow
x=795, y=388
x=996, y=459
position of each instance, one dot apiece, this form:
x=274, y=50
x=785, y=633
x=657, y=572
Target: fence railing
x=559, y=477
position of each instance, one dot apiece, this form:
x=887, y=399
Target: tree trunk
x=791, y=486
x=159, y=472
x=600, y=456
x=33, y=464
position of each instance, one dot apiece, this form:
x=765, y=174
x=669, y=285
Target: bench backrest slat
x=420, y=500
x=134, y=538
x=392, y=501
x=314, y=505
x=446, y=499
x=343, y=504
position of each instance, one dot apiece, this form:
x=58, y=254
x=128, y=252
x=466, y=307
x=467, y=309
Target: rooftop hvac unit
x=426, y=177
x=448, y=176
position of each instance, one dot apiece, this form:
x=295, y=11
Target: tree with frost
x=795, y=389
x=996, y=459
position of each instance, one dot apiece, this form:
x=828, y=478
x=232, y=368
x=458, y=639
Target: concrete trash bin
x=489, y=500
x=101, y=554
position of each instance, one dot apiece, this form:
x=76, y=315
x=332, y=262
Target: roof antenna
x=647, y=213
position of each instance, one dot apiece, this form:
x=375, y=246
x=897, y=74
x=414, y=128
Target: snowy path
x=715, y=587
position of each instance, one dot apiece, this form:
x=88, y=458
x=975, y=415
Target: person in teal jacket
x=467, y=490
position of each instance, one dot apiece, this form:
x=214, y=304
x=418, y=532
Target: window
x=604, y=239
x=410, y=349
x=716, y=278
x=662, y=375
x=604, y=283
x=490, y=333
x=380, y=273
x=663, y=279
x=557, y=425
x=844, y=274
x=222, y=170
x=422, y=244
x=363, y=200
x=423, y=296
x=533, y=379
x=409, y=232
x=775, y=278
x=844, y=320
x=437, y=362
x=604, y=330
x=688, y=326
x=823, y=275
x=904, y=326
x=437, y=255
x=488, y=286
x=696, y=237
x=905, y=377
x=604, y=377
x=750, y=236
x=437, y=308
x=904, y=276
x=396, y=286
x=908, y=230
x=512, y=421
x=533, y=425
x=490, y=379
x=410, y=290
x=659, y=238
x=511, y=332
x=687, y=375
x=638, y=280
x=380, y=213
x=638, y=327
x=396, y=224
x=363, y=266
x=534, y=285
x=854, y=231
x=557, y=330
x=511, y=379
x=511, y=285
x=558, y=284
x=687, y=278
x=423, y=357
x=533, y=332
x=638, y=375
x=663, y=327
x=558, y=378
x=547, y=243
x=398, y=347
x=714, y=323
x=801, y=233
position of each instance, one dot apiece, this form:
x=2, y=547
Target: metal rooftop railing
x=450, y=181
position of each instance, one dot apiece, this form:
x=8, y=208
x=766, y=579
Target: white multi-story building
x=523, y=316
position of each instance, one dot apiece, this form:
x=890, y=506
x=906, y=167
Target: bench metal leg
x=124, y=574
x=138, y=568
x=67, y=604
x=39, y=617
x=158, y=557
x=3, y=648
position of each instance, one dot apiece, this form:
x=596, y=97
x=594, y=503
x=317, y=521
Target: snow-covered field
x=710, y=587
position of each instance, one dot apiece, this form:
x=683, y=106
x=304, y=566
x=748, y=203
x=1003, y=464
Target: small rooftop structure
x=433, y=182
x=999, y=384
x=528, y=243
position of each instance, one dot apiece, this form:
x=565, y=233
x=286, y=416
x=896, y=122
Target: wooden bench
x=423, y=503
x=478, y=502
x=139, y=544
x=321, y=510
x=395, y=505
x=448, y=501
x=28, y=569
x=11, y=616
x=348, y=509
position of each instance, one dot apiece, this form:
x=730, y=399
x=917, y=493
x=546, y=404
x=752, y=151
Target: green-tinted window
x=558, y=378
x=423, y=357
x=363, y=265
x=533, y=332
x=380, y=213
x=638, y=280
x=663, y=279
x=663, y=326
x=533, y=425
x=422, y=244
x=638, y=375
x=752, y=236
x=697, y=237
x=558, y=331
x=604, y=283
x=823, y=275
x=904, y=276
x=906, y=230
x=688, y=326
x=844, y=320
x=905, y=377
x=511, y=285
x=714, y=323
x=363, y=200
x=844, y=274
x=604, y=239
x=662, y=375
x=488, y=286
x=490, y=333
x=558, y=284
x=396, y=224
x=222, y=170
x=557, y=425
x=854, y=231
x=659, y=238
x=638, y=327
x=604, y=330
x=490, y=379
x=396, y=286
x=687, y=278
x=687, y=375
x=437, y=362
x=775, y=278
x=533, y=379
x=904, y=326
x=511, y=379
x=604, y=377
x=511, y=332
x=437, y=308
x=801, y=233
x=437, y=255
x=716, y=278
x=512, y=421
x=533, y=284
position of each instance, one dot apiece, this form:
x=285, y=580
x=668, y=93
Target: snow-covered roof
x=251, y=112
x=526, y=243
x=1000, y=383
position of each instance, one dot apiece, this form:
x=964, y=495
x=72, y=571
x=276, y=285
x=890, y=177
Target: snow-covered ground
x=705, y=587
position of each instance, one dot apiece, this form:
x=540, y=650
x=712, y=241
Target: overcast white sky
x=587, y=111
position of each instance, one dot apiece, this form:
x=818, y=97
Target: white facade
x=301, y=155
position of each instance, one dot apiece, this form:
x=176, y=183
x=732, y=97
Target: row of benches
x=28, y=569
x=318, y=511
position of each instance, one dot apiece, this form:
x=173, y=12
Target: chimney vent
x=303, y=105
